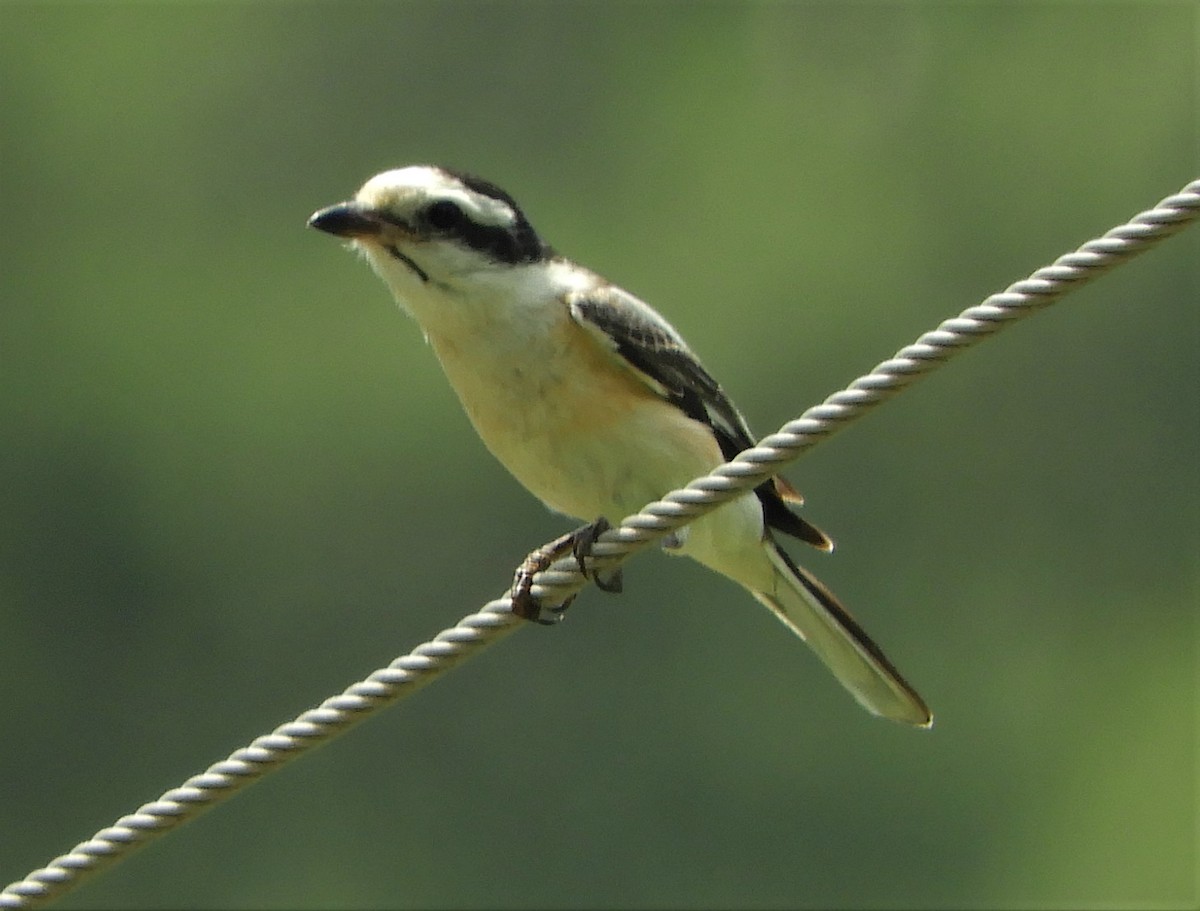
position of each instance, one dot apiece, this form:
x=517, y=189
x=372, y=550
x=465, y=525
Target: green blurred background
x=233, y=480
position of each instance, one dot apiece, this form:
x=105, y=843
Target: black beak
x=347, y=219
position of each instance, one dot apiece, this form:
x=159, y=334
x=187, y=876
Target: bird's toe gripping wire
x=579, y=544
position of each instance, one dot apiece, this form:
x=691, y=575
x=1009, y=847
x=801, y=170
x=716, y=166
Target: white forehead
x=405, y=189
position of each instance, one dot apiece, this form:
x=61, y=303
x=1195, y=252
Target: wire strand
x=753, y=466
x=495, y=620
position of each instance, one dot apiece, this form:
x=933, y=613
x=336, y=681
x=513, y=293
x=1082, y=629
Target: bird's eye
x=444, y=215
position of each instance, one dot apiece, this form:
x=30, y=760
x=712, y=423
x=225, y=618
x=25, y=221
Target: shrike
x=590, y=398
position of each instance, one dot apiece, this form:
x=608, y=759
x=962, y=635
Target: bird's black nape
x=518, y=244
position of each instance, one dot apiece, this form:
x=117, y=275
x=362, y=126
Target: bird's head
x=432, y=231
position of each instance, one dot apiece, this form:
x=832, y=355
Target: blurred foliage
x=233, y=481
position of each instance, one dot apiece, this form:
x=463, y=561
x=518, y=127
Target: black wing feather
x=656, y=351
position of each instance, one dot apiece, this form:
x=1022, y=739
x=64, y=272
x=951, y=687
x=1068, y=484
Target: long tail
x=811, y=610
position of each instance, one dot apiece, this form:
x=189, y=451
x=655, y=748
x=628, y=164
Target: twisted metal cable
x=495, y=620
x=753, y=466
x=243, y=767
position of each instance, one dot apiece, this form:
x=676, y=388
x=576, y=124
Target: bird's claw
x=582, y=542
x=579, y=544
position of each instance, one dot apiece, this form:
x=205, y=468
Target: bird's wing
x=654, y=351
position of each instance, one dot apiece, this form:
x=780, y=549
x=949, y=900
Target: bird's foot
x=578, y=543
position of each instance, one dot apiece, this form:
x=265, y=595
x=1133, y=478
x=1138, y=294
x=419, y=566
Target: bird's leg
x=579, y=544
x=524, y=605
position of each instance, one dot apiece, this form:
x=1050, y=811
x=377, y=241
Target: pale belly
x=589, y=438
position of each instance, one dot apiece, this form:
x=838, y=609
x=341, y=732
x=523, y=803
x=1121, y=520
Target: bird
x=591, y=399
